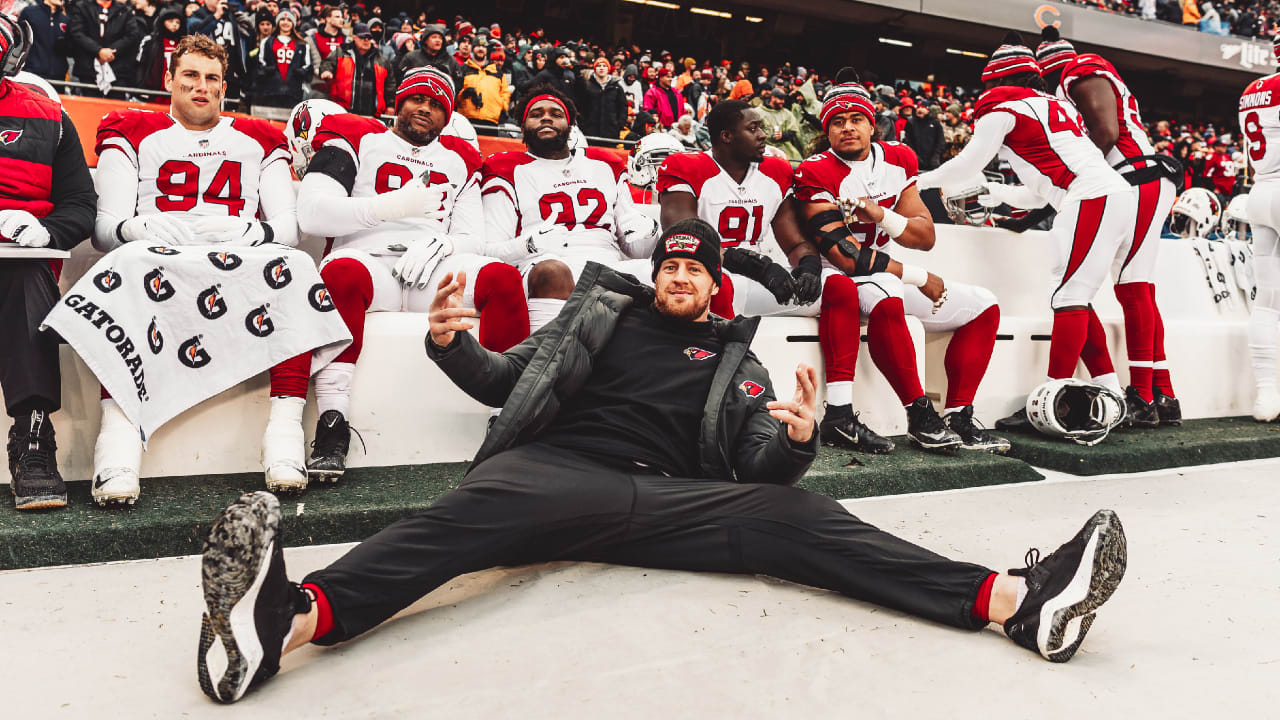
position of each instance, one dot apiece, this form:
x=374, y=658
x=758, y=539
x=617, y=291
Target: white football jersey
x=582, y=196
x=385, y=161
x=1260, y=123
x=1132, y=140
x=194, y=172
x=889, y=169
x=741, y=212
x=1046, y=145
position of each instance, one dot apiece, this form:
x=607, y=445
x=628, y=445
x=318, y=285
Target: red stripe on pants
x=1148, y=199
x=1087, y=224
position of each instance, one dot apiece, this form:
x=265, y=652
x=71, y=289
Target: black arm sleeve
x=746, y=263
x=74, y=200
x=337, y=164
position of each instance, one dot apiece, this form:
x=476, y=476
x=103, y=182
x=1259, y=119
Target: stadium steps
x=173, y=514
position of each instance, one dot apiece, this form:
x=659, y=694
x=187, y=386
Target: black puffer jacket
x=739, y=440
x=604, y=108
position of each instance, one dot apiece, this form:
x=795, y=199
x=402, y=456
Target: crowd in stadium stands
x=1247, y=18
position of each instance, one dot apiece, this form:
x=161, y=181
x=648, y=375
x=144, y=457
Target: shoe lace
x=330, y=440
x=1031, y=559
x=37, y=459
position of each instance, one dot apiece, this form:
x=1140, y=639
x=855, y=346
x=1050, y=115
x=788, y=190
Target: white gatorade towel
x=164, y=328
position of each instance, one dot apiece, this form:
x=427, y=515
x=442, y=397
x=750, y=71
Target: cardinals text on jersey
x=890, y=168
x=741, y=212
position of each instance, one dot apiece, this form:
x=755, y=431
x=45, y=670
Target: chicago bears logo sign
x=162, y=250
x=211, y=304
x=681, y=242
x=751, y=389
x=258, y=323
x=277, y=273
x=697, y=353
x=158, y=289
x=225, y=260
x=9, y=137
x=192, y=355
x=155, y=340
x=107, y=280
x=319, y=297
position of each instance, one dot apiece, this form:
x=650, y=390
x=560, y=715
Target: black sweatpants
x=537, y=504
x=29, y=374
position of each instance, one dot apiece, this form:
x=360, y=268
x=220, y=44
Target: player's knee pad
x=839, y=292
x=550, y=279
x=346, y=278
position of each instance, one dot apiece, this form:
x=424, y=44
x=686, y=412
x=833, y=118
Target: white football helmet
x=962, y=201
x=37, y=83
x=1235, y=219
x=577, y=141
x=1078, y=410
x=647, y=157
x=1195, y=213
x=303, y=121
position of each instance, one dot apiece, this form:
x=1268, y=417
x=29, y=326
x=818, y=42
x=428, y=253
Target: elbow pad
x=867, y=260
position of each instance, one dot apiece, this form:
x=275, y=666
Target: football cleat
x=329, y=448
x=1066, y=587
x=1017, y=422
x=927, y=430
x=972, y=435
x=841, y=427
x=1169, y=409
x=249, y=600
x=1266, y=406
x=35, y=481
x=282, y=446
x=1138, y=412
x=117, y=458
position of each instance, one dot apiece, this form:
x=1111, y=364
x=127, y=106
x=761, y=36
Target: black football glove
x=807, y=278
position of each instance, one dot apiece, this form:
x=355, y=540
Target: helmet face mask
x=652, y=150
x=15, y=56
x=962, y=205
x=1235, y=219
x=1077, y=410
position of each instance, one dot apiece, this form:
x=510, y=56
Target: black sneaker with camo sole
x=972, y=434
x=250, y=602
x=841, y=427
x=927, y=430
x=1066, y=587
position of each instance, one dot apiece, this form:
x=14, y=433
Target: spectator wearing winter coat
x=559, y=72
x=324, y=41
x=781, y=129
x=431, y=51
x=924, y=134
x=531, y=62
x=635, y=91
x=48, y=56
x=485, y=94
x=154, y=52
x=214, y=20
x=360, y=75
x=284, y=65
x=886, y=104
x=603, y=112
x=662, y=100
x=106, y=32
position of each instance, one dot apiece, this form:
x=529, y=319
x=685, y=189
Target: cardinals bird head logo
x=258, y=322
x=319, y=297
x=155, y=340
x=277, y=273
x=158, y=289
x=107, y=280
x=210, y=303
x=163, y=250
x=750, y=389
x=225, y=260
x=697, y=353
x=302, y=123
x=192, y=355
x=9, y=137
x=681, y=242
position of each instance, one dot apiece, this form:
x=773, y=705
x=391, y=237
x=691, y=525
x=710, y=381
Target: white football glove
x=414, y=268
x=214, y=230
x=160, y=229
x=23, y=228
x=994, y=195
x=415, y=199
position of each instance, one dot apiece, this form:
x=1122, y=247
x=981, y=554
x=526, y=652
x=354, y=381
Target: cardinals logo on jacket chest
x=697, y=353
x=751, y=389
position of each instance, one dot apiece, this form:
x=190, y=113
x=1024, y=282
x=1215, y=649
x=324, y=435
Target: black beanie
x=691, y=238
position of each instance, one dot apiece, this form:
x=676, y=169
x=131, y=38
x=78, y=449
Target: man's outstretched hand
x=446, y=315
x=798, y=414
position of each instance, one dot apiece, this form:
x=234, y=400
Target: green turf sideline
x=1127, y=450
x=173, y=514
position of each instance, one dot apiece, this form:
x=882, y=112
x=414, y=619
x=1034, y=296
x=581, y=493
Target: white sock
x=333, y=388
x=956, y=409
x=286, y=410
x=1262, y=347
x=1109, y=381
x=840, y=393
x=1022, y=593
x=543, y=311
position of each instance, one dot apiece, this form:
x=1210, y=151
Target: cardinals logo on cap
x=682, y=243
x=319, y=297
x=211, y=304
x=192, y=355
x=155, y=340
x=158, y=289
x=225, y=260
x=107, y=280
x=697, y=353
x=9, y=137
x=258, y=323
x=751, y=389
x=163, y=250
x=277, y=273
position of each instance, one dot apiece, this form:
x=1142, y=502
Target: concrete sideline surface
x=1192, y=631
